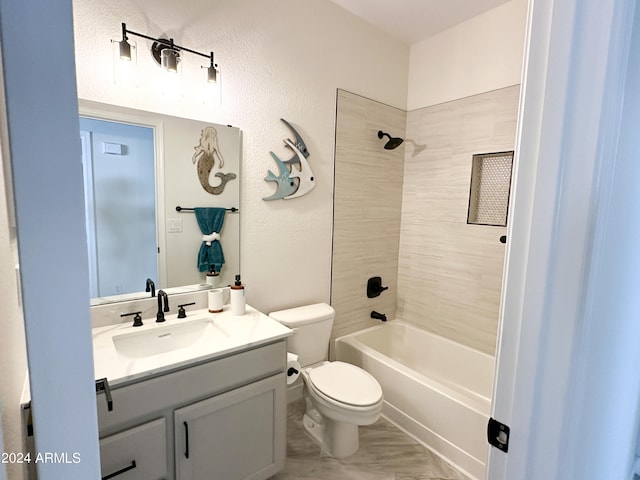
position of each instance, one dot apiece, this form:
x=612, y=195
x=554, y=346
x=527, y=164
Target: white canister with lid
x=216, y=301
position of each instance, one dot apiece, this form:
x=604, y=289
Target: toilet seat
x=345, y=384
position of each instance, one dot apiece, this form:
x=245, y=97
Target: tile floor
x=386, y=453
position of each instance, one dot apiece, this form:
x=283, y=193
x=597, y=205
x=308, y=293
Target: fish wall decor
x=295, y=177
x=205, y=155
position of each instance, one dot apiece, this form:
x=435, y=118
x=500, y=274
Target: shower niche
x=490, y=187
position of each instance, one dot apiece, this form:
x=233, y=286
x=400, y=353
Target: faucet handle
x=181, y=311
x=137, y=320
x=374, y=287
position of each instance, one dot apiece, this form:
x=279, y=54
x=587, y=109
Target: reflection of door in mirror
x=120, y=198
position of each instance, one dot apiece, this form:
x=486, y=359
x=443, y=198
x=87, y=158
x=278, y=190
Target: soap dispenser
x=238, y=302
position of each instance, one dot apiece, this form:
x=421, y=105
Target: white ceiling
x=415, y=20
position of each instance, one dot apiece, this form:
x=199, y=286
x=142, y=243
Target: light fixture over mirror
x=212, y=74
x=124, y=45
x=165, y=52
x=169, y=59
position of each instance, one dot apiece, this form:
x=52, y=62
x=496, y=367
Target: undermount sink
x=164, y=339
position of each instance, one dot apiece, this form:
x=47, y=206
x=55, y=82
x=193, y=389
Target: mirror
x=139, y=166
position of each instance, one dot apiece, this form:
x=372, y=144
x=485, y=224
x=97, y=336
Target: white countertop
x=225, y=334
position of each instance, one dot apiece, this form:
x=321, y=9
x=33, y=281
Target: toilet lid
x=346, y=383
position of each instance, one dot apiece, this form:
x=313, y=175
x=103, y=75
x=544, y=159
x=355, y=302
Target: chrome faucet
x=161, y=310
x=151, y=287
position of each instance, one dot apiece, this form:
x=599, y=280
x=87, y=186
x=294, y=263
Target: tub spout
x=378, y=316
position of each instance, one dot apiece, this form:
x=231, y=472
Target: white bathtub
x=437, y=390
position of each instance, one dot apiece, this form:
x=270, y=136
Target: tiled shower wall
x=367, y=206
x=449, y=272
x=411, y=228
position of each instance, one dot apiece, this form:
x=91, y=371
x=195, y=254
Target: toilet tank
x=311, y=325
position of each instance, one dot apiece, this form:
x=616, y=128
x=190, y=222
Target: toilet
x=339, y=396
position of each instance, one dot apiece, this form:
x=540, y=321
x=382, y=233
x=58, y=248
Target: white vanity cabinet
x=222, y=419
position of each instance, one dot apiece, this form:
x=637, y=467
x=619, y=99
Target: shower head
x=393, y=142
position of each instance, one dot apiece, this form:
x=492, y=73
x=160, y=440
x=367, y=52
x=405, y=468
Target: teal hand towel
x=210, y=221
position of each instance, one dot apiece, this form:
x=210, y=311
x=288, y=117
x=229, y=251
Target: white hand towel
x=210, y=238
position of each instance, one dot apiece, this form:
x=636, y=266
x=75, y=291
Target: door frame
x=89, y=208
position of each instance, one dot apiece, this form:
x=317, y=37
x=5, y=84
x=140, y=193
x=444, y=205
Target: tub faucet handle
x=374, y=287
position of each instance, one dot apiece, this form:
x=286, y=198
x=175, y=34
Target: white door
x=121, y=205
x=560, y=350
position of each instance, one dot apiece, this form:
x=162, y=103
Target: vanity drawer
x=139, y=453
x=147, y=399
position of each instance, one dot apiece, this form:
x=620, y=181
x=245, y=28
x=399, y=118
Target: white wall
x=476, y=56
x=279, y=59
x=3, y=471
x=12, y=341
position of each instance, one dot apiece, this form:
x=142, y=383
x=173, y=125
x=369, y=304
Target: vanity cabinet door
x=139, y=453
x=239, y=435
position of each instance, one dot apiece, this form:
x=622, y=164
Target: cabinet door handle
x=121, y=471
x=186, y=434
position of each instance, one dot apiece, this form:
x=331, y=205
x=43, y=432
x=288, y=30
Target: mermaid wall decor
x=206, y=153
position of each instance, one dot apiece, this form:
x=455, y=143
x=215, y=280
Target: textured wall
x=279, y=59
x=368, y=201
x=450, y=273
x=480, y=55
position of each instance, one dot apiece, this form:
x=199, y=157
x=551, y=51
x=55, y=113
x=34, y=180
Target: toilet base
x=336, y=439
